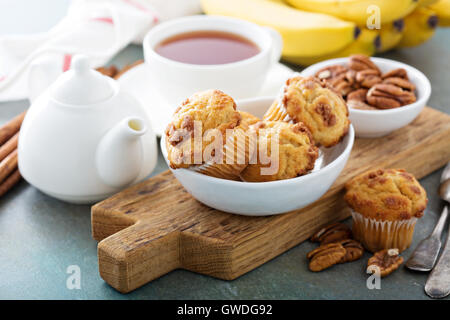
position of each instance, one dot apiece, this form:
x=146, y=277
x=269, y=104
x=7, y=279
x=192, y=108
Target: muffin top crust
x=296, y=152
x=249, y=118
x=320, y=108
x=213, y=109
x=386, y=194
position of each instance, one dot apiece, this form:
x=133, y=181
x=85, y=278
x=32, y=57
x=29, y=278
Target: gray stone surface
x=41, y=237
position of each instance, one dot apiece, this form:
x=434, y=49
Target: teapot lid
x=81, y=84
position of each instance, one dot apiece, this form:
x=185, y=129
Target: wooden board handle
x=138, y=254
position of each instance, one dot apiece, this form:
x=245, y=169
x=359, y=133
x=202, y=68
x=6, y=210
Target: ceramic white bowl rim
x=423, y=82
x=259, y=185
x=265, y=45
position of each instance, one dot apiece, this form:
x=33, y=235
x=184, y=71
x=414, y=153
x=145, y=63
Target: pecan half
x=332, y=233
x=358, y=95
x=353, y=250
x=361, y=62
x=336, y=77
x=387, y=261
x=350, y=75
x=325, y=256
x=355, y=104
x=330, y=72
x=368, y=77
x=388, y=96
x=400, y=82
x=396, y=73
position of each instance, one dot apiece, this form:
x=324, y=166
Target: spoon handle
x=425, y=255
x=438, y=283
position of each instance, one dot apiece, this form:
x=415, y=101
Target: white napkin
x=97, y=28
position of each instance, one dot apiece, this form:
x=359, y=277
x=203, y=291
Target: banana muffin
x=386, y=204
x=288, y=152
x=320, y=108
x=213, y=117
x=249, y=118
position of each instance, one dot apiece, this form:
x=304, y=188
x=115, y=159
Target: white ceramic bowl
x=378, y=123
x=266, y=198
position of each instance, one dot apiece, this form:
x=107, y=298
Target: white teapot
x=83, y=139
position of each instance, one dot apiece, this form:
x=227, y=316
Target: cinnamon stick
x=11, y=128
x=10, y=182
x=110, y=71
x=8, y=165
x=9, y=146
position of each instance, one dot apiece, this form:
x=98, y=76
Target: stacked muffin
x=306, y=114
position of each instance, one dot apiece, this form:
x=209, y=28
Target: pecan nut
x=368, y=77
x=358, y=95
x=361, y=105
x=353, y=250
x=396, y=73
x=400, y=82
x=336, y=77
x=325, y=256
x=388, y=96
x=331, y=72
x=362, y=62
x=332, y=233
x=385, y=261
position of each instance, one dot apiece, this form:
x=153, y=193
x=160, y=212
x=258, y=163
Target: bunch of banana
x=368, y=43
x=424, y=3
x=359, y=11
x=419, y=27
x=305, y=34
x=442, y=9
x=316, y=30
x=391, y=34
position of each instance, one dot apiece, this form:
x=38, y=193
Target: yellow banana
x=391, y=34
x=367, y=43
x=419, y=27
x=304, y=33
x=424, y=3
x=442, y=9
x=358, y=11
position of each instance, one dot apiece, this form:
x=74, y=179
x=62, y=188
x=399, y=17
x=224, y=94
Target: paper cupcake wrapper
x=277, y=112
x=377, y=235
x=239, y=145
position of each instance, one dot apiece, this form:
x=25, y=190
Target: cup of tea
x=196, y=53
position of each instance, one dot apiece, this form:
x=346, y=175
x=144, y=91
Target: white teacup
x=176, y=81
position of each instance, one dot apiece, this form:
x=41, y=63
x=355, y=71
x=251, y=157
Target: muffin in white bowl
x=266, y=198
x=370, y=121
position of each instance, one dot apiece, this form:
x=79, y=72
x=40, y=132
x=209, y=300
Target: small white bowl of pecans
x=382, y=95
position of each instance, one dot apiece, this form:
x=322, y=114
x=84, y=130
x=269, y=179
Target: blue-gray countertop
x=41, y=237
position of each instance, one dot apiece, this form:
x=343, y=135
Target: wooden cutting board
x=154, y=227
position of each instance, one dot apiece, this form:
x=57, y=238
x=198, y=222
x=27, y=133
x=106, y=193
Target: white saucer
x=137, y=82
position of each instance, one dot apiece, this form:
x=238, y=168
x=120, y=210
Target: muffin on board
x=293, y=145
x=386, y=204
x=320, y=108
x=213, y=117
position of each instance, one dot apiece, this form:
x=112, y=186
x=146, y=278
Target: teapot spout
x=119, y=156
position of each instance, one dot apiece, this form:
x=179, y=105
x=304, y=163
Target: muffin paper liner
x=277, y=112
x=377, y=235
x=241, y=144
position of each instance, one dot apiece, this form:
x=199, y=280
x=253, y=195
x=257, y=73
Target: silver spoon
x=426, y=253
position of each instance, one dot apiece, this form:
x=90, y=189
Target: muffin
x=249, y=118
x=294, y=145
x=320, y=108
x=218, y=147
x=385, y=207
